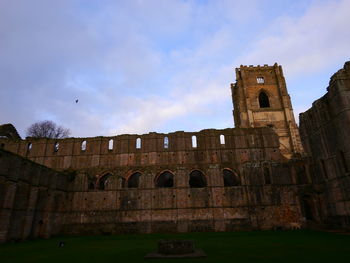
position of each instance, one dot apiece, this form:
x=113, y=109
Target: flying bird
x=76, y=101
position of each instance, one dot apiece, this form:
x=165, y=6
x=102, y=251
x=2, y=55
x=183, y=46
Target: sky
x=141, y=66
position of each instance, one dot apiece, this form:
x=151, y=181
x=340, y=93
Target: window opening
x=165, y=179
x=138, y=143
x=194, y=141
x=222, y=139
x=103, y=182
x=324, y=169
x=56, y=147
x=110, y=144
x=197, y=179
x=230, y=179
x=166, y=142
x=83, y=146
x=260, y=80
x=134, y=180
x=264, y=100
x=29, y=146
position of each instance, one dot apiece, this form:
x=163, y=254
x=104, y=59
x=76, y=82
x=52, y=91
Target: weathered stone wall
x=325, y=130
x=32, y=198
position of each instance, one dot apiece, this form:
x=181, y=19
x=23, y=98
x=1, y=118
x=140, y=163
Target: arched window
x=197, y=179
x=264, y=100
x=166, y=142
x=194, y=141
x=56, y=147
x=230, y=179
x=83, y=146
x=165, y=179
x=267, y=176
x=138, y=143
x=103, y=182
x=222, y=139
x=110, y=145
x=134, y=179
x=29, y=146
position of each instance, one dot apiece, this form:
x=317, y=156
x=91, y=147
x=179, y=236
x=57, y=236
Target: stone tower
x=261, y=99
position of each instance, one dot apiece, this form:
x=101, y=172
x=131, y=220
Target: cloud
x=305, y=44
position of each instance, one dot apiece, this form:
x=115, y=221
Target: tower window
x=260, y=80
x=165, y=179
x=138, y=143
x=264, y=100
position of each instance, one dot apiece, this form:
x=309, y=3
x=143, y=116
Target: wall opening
x=138, y=143
x=134, y=180
x=166, y=142
x=222, y=139
x=343, y=161
x=110, y=145
x=307, y=206
x=264, y=100
x=165, y=179
x=83, y=146
x=267, y=175
x=260, y=80
x=194, y=141
x=103, y=182
x=230, y=178
x=302, y=177
x=56, y=147
x=2, y=146
x=29, y=146
x=197, y=179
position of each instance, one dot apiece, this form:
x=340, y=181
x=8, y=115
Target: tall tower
x=260, y=99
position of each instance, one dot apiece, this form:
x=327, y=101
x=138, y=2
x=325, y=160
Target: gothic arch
x=264, y=99
x=164, y=179
x=102, y=180
x=230, y=177
x=197, y=179
x=133, y=180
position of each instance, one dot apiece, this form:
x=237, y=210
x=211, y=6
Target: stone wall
x=32, y=198
x=325, y=130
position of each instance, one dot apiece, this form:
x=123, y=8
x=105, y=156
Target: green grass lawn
x=256, y=246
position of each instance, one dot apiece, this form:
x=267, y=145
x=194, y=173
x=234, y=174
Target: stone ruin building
x=257, y=175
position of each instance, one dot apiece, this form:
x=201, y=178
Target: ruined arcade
x=253, y=176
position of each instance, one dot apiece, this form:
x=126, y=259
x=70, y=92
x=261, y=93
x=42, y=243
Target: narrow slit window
x=56, y=147
x=260, y=80
x=194, y=141
x=110, y=145
x=267, y=176
x=138, y=143
x=222, y=139
x=83, y=146
x=166, y=142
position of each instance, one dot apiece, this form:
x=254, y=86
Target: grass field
x=256, y=246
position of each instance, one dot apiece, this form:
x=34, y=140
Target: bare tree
x=47, y=129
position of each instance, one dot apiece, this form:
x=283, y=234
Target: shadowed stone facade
x=255, y=176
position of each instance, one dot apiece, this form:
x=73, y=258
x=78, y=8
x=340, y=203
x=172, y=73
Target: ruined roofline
x=199, y=133
x=9, y=131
